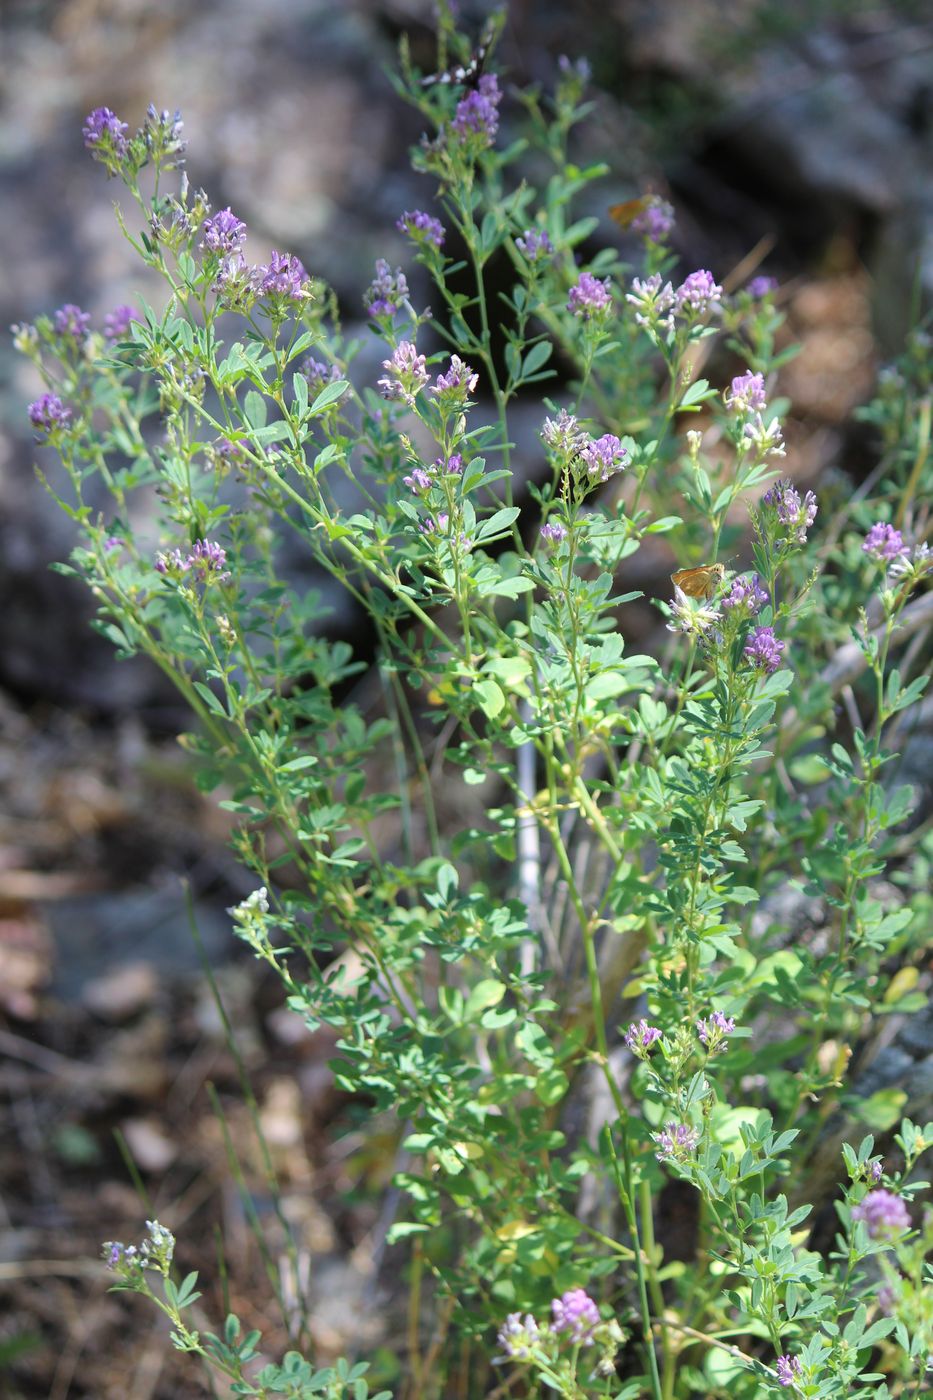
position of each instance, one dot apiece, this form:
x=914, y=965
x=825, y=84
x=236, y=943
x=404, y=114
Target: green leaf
x=328, y=395
x=485, y=994
x=210, y=699
x=537, y=356
x=489, y=698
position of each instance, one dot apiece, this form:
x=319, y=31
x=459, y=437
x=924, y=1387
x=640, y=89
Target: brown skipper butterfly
x=700, y=582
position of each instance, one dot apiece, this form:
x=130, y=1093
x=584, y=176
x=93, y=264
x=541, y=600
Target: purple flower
x=603, y=457
x=763, y=649
x=207, y=561
x=422, y=227
x=577, y=68
x=576, y=1313
x=714, y=1031
x=48, y=414
x=459, y=381
x=112, y=542
x=883, y=1212
x=161, y=132
x=283, y=275
x=104, y=134
x=518, y=1335
x=476, y=119
x=641, y=1036
x=693, y=616
x=117, y=322
x=435, y=526
x=113, y=1253
x=318, y=375
x=418, y=481
x=172, y=563
x=788, y=1369
x=453, y=466
x=407, y=374
x=676, y=1142
x=534, y=244
x=563, y=434
x=387, y=291
x=698, y=293
x=760, y=287
x=223, y=233
x=783, y=499
x=746, y=594
x=875, y=1171
x=553, y=533
x=746, y=393
x=653, y=302
x=69, y=320
x=884, y=543
x=590, y=297
x=655, y=221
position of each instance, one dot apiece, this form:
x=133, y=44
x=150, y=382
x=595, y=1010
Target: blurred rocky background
x=797, y=131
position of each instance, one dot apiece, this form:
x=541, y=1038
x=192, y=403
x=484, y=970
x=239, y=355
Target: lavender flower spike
x=407, y=374
x=387, y=291
x=105, y=135
x=746, y=393
x=798, y=515
x=117, y=322
x=641, y=1036
x=48, y=414
x=69, y=320
x=746, y=595
x=603, y=457
x=883, y=1212
x=884, y=543
x=518, y=1335
x=676, y=1142
x=590, y=297
x=763, y=649
x=698, y=293
x=223, y=233
x=788, y=1369
x=476, y=120
x=422, y=227
x=575, y=1312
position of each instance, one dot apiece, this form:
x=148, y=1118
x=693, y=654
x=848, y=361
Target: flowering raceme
x=422, y=227
x=575, y=1312
x=763, y=650
x=883, y=1212
x=590, y=297
x=783, y=501
x=884, y=544
x=48, y=414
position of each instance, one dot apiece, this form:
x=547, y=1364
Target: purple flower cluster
x=603, y=457
x=553, y=533
x=206, y=561
x=884, y=543
x=788, y=1369
x=432, y=525
x=283, y=275
x=563, y=434
x=69, y=320
x=746, y=594
x=117, y=322
x=476, y=120
x=590, y=297
x=534, y=244
x=418, y=481
x=746, y=394
x=318, y=375
x=653, y=302
x=575, y=1312
x=223, y=233
x=104, y=134
x=407, y=374
x=783, y=499
x=518, y=1335
x=422, y=227
x=676, y=1142
x=387, y=290
x=763, y=650
x=712, y=1032
x=760, y=287
x=641, y=1036
x=883, y=1212
x=655, y=221
x=698, y=293
x=458, y=383
x=161, y=131
x=48, y=414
